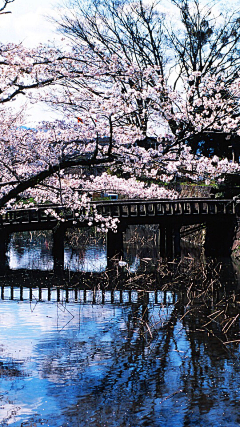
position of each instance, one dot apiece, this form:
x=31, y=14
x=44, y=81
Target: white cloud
x=28, y=22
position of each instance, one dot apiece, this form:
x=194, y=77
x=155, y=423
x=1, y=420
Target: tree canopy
x=183, y=40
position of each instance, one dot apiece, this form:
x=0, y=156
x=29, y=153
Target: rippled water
x=114, y=364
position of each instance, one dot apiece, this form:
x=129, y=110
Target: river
x=117, y=358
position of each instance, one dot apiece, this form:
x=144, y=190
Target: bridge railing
x=140, y=208
x=122, y=209
x=36, y=215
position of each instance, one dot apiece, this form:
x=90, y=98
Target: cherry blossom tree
x=34, y=161
x=178, y=38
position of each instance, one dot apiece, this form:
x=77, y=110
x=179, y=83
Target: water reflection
x=100, y=357
x=33, y=250
x=84, y=250
x=129, y=363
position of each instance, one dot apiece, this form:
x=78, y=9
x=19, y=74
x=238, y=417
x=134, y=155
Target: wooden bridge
x=127, y=211
x=218, y=215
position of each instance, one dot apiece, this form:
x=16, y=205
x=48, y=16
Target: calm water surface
x=120, y=361
x=33, y=250
x=85, y=364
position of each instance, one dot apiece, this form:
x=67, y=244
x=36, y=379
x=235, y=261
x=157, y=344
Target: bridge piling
x=219, y=237
x=162, y=242
x=4, y=241
x=115, y=244
x=169, y=241
x=58, y=248
x=176, y=241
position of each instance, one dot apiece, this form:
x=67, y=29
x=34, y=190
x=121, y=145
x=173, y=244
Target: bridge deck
x=131, y=208
x=129, y=211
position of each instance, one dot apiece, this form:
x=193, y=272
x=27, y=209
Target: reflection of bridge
x=218, y=215
x=85, y=296
x=34, y=293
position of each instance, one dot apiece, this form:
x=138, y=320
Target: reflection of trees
x=142, y=242
x=10, y=373
x=32, y=240
x=84, y=246
x=147, y=364
x=131, y=358
x=35, y=248
x=210, y=321
x=81, y=238
x=162, y=358
x=10, y=369
x=208, y=374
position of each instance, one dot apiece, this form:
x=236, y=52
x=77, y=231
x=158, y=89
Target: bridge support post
x=176, y=241
x=162, y=241
x=169, y=242
x=114, y=245
x=220, y=236
x=58, y=249
x=4, y=240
